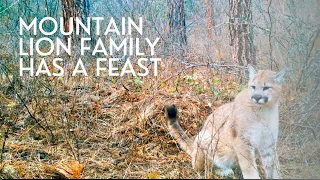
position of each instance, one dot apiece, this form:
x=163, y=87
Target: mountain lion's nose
x=257, y=97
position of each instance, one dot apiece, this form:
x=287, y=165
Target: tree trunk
x=241, y=32
x=177, y=24
x=74, y=8
x=68, y=7
x=209, y=18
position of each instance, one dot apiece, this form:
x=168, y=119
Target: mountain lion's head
x=265, y=86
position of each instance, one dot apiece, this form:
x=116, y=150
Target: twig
x=9, y=6
x=214, y=66
x=4, y=144
x=270, y=44
x=24, y=104
x=303, y=126
x=191, y=65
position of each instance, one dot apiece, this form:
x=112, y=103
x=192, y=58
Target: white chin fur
x=261, y=101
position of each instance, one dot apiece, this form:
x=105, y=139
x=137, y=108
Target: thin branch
x=9, y=6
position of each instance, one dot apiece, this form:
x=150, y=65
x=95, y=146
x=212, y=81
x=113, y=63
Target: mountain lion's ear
x=280, y=77
x=251, y=71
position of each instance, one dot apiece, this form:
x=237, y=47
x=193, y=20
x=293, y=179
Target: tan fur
x=233, y=132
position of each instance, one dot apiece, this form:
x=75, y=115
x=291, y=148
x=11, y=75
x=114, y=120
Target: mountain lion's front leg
x=246, y=157
x=270, y=162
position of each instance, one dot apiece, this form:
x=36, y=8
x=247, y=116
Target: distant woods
x=237, y=32
x=240, y=25
x=172, y=20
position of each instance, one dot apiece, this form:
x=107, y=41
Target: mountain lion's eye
x=266, y=88
x=253, y=87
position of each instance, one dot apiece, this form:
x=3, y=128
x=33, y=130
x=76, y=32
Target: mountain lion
x=234, y=131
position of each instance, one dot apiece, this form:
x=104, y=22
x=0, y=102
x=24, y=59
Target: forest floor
x=92, y=128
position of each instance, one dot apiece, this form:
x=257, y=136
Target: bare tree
x=241, y=31
x=177, y=24
x=74, y=8
x=209, y=18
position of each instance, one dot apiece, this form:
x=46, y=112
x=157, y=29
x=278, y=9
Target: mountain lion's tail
x=176, y=131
